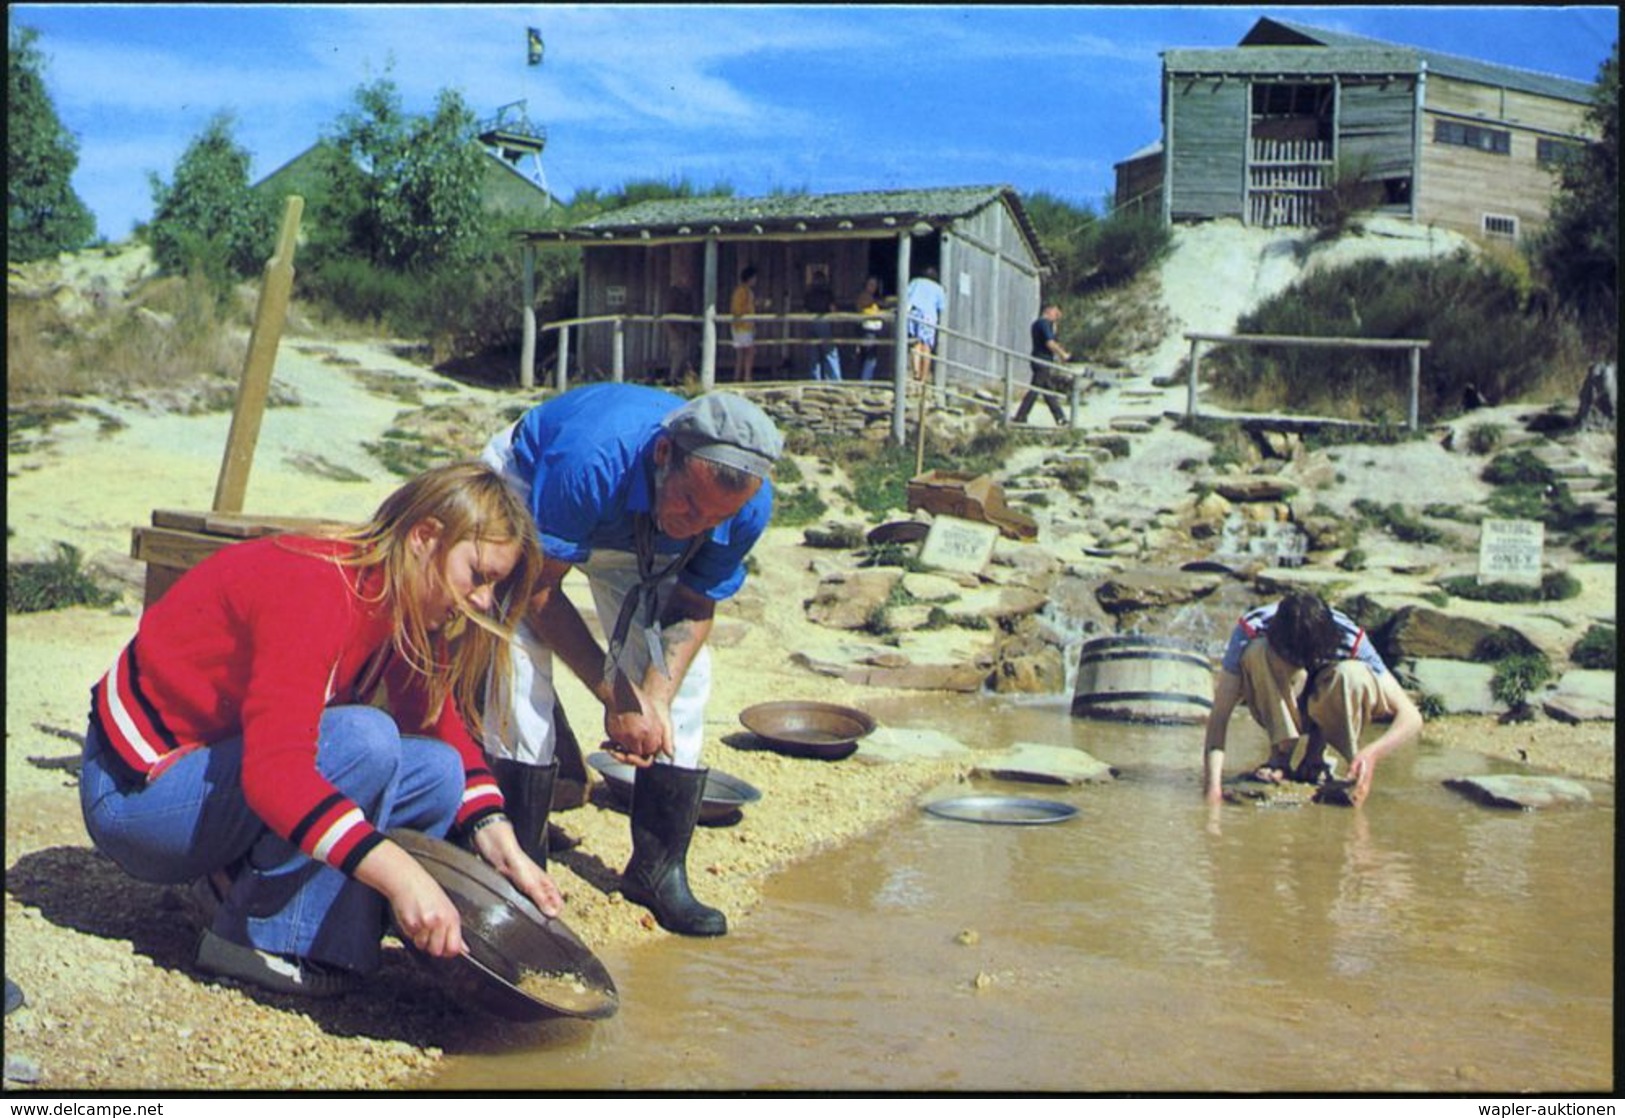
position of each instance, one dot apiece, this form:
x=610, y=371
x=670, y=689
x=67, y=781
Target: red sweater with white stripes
x=257, y=640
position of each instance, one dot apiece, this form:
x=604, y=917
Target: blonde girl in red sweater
x=236, y=742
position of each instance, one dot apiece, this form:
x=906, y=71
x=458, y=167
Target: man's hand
x=637, y=730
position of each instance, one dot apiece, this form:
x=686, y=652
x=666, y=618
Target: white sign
x=953, y=544
x=964, y=284
x=1510, y=551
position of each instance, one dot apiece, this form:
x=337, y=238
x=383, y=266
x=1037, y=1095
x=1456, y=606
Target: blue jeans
x=193, y=819
x=827, y=365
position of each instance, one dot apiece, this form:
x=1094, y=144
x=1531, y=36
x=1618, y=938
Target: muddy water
x=1419, y=944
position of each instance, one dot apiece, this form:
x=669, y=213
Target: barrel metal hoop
x=1102, y=697
x=1162, y=654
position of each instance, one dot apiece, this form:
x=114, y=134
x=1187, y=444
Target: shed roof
x=1277, y=45
x=859, y=212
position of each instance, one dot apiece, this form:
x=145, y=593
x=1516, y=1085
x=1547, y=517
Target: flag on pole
x=533, y=46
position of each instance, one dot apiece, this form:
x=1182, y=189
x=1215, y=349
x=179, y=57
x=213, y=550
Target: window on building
x=1500, y=225
x=1494, y=140
x=1556, y=153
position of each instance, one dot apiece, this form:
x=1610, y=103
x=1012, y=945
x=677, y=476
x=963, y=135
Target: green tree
x=1066, y=231
x=44, y=215
x=1579, y=247
x=209, y=220
x=408, y=197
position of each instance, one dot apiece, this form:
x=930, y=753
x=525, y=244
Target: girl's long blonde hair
x=467, y=501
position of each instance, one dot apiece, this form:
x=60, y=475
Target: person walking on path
x=658, y=502
x=926, y=303
x=1308, y=676
x=741, y=306
x=234, y=743
x=1046, y=348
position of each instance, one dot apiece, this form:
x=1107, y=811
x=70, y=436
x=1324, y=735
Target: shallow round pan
x=1001, y=809
x=521, y=964
x=725, y=796
x=808, y=729
x=899, y=531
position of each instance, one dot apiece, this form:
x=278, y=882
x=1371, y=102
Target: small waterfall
x=1281, y=543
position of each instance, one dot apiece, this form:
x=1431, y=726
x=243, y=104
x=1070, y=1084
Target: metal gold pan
x=1017, y=810
x=508, y=939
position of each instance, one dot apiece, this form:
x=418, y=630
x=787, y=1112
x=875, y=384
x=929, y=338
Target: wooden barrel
x=1142, y=679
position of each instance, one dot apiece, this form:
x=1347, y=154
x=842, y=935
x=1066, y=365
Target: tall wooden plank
x=255, y=385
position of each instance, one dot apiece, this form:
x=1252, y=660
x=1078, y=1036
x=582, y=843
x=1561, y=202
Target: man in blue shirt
x=1306, y=673
x=658, y=502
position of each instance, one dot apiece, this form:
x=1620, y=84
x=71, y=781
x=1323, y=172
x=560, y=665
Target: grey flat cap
x=727, y=429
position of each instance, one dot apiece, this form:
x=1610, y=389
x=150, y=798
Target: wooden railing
x=619, y=323
x=1286, y=180
x=1414, y=345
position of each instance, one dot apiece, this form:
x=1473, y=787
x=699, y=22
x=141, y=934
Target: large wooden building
x=678, y=256
x=1260, y=131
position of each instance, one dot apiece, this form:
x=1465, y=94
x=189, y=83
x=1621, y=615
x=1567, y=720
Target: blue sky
x=818, y=97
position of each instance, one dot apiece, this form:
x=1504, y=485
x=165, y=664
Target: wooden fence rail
x=1414, y=345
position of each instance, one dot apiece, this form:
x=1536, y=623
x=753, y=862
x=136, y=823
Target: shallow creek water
x=1419, y=944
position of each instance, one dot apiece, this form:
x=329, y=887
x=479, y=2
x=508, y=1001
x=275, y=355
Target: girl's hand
x=423, y=912
x=499, y=846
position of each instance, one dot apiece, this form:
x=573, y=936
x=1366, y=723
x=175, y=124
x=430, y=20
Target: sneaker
x=279, y=973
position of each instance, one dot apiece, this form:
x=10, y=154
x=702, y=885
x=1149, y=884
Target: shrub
x=1353, y=560
x=1556, y=586
x=1518, y=467
x=793, y=508
x=1516, y=677
x=1397, y=522
x=1483, y=438
x=56, y=583
x=1595, y=540
x=1598, y=649
x=1431, y=705
x=1482, y=334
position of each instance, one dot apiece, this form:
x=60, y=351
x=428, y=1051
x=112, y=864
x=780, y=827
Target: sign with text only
x=1510, y=551
x=958, y=545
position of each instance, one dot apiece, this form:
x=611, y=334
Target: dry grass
x=174, y=337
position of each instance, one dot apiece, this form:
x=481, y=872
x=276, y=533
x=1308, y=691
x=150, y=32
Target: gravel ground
x=106, y=961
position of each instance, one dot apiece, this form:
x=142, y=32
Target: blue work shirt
x=590, y=457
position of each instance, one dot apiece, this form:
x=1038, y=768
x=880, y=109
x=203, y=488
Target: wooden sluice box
x=177, y=541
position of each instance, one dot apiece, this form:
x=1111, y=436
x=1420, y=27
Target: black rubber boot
x=665, y=807
x=528, y=790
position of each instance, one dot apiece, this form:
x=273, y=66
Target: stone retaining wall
x=843, y=410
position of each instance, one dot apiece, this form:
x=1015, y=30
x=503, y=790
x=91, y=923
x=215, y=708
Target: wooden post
x=527, y=344
x=561, y=374
x=255, y=385
x=1077, y=402
x=919, y=435
x=708, y=330
x=617, y=355
x=1196, y=363
x=1415, y=414
x=900, y=373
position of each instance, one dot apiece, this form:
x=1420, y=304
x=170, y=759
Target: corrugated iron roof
x=858, y=211
x=1284, y=34
x=1293, y=60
